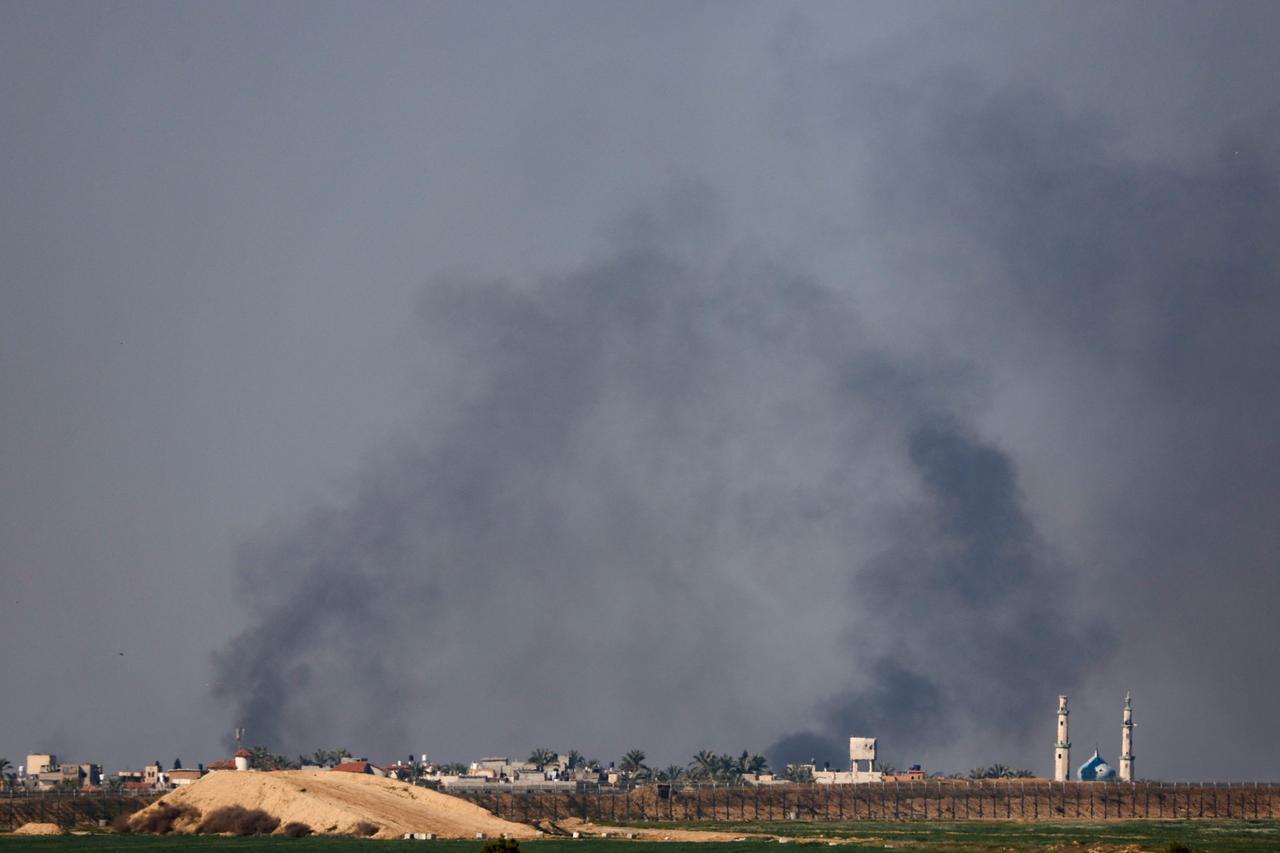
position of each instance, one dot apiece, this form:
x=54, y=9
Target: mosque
x=1096, y=769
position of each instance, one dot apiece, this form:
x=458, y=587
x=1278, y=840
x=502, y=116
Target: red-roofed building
x=399, y=770
x=359, y=767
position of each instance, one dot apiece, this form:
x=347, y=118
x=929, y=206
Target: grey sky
x=690, y=370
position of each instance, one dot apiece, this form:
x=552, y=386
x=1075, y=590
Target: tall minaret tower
x=1062, y=749
x=1126, y=741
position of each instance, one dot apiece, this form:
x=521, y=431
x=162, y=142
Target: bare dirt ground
x=587, y=829
x=38, y=829
x=335, y=803
x=595, y=830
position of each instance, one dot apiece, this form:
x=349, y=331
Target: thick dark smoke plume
x=975, y=607
x=1124, y=314
x=689, y=496
x=680, y=485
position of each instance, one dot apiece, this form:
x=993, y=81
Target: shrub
x=364, y=828
x=160, y=821
x=238, y=820
x=1177, y=847
x=501, y=845
x=295, y=829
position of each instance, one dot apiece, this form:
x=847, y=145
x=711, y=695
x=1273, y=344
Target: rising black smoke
x=975, y=605
x=1131, y=308
x=632, y=485
x=686, y=493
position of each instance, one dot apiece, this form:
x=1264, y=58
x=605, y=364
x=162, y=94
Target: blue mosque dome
x=1095, y=770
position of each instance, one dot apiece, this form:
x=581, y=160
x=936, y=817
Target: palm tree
x=540, y=758
x=980, y=773
x=264, y=759
x=704, y=765
x=727, y=768
x=799, y=773
x=674, y=773
x=5, y=764
x=593, y=764
x=574, y=760
x=320, y=758
x=745, y=764
x=633, y=762
x=457, y=768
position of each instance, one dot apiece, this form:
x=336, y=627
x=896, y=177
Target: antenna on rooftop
x=239, y=736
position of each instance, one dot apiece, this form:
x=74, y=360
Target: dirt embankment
x=38, y=829
x=338, y=803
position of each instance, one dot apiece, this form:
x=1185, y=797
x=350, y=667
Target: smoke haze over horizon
x=464, y=380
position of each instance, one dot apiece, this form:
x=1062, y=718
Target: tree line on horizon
x=704, y=766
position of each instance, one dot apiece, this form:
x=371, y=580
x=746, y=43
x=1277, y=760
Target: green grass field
x=1209, y=836
x=964, y=837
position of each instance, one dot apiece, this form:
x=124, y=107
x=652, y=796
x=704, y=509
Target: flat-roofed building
x=180, y=777
x=41, y=762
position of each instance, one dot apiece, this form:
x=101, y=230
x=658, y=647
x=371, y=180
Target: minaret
x=1126, y=741
x=1062, y=749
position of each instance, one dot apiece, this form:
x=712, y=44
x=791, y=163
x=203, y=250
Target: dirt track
x=593, y=830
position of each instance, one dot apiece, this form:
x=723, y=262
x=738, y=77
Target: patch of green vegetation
x=1031, y=837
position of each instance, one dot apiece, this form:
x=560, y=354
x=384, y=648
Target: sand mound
x=38, y=829
x=332, y=802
